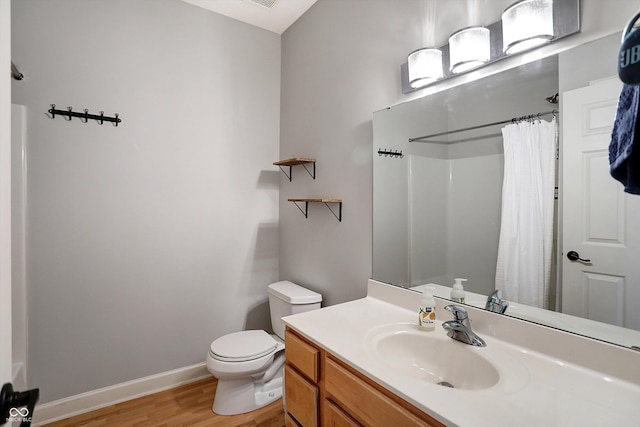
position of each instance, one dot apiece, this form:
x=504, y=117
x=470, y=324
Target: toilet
x=249, y=364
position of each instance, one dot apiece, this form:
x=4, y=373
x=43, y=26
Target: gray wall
x=591, y=61
x=341, y=62
x=149, y=240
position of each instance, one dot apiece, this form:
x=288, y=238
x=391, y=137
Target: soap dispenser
x=427, y=309
x=457, y=292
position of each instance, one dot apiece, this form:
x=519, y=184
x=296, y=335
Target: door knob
x=575, y=256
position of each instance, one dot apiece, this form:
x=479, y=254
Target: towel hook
x=15, y=73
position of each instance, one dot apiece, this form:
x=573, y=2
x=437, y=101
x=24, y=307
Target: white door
x=600, y=222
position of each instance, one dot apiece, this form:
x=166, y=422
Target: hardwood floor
x=187, y=405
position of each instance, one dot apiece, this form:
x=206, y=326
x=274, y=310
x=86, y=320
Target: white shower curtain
x=523, y=268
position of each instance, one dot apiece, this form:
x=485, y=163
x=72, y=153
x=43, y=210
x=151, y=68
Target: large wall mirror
x=437, y=208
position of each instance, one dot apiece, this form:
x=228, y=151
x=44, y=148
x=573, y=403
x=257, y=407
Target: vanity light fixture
x=523, y=26
x=527, y=24
x=425, y=66
x=469, y=48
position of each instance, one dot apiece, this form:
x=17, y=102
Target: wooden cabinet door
x=333, y=416
x=302, y=355
x=301, y=398
x=364, y=402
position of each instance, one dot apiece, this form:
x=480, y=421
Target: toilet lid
x=242, y=346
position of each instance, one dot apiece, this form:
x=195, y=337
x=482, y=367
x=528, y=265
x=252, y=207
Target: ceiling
x=273, y=15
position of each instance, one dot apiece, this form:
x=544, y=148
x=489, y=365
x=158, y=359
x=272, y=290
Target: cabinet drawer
x=301, y=398
x=302, y=355
x=367, y=404
x=333, y=416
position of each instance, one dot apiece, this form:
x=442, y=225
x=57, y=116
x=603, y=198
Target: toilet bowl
x=249, y=364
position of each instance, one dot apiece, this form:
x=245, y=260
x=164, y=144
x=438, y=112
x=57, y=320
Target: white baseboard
x=96, y=399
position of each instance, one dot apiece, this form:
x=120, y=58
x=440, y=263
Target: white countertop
x=534, y=389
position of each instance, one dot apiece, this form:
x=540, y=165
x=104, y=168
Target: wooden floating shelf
x=294, y=161
x=317, y=200
x=297, y=161
x=306, y=202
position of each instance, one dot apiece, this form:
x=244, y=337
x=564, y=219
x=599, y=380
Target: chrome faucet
x=495, y=302
x=460, y=327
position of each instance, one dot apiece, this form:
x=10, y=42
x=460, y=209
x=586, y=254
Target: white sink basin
x=432, y=357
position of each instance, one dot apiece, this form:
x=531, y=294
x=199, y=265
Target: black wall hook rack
x=84, y=116
x=391, y=153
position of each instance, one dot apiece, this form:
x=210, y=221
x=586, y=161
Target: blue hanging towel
x=624, y=161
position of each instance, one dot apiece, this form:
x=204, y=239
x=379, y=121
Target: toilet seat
x=243, y=346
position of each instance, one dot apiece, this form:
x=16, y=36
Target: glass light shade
x=469, y=48
x=527, y=24
x=425, y=66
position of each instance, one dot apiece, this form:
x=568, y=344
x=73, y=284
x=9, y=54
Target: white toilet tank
x=286, y=298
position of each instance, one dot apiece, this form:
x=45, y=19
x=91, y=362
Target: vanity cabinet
x=301, y=378
x=320, y=390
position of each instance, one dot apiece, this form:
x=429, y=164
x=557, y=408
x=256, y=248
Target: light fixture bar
x=566, y=21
